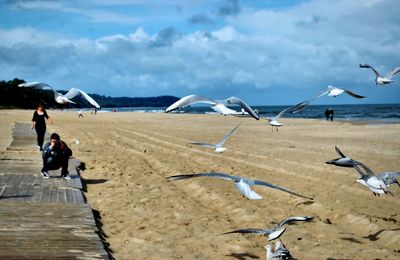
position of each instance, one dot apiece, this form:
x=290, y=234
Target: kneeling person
x=55, y=155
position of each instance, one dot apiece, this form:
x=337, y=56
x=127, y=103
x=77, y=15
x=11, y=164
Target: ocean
x=385, y=113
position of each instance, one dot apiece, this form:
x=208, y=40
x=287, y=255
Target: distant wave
x=381, y=112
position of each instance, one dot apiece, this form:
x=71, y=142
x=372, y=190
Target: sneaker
x=39, y=148
x=67, y=177
x=45, y=175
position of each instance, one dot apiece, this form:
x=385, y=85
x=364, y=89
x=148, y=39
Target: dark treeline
x=12, y=96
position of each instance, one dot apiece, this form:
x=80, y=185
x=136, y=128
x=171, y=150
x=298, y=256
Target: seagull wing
x=293, y=219
x=227, y=135
x=366, y=169
x=204, y=144
x=218, y=175
x=250, y=231
x=340, y=152
x=38, y=85
x=393, y=72
x=73, y=92
x=189, y=100
x=270, y=185
x=360, y=167
x=389, y=177
x=238, y=101
x=363, y=65
x=353, y=94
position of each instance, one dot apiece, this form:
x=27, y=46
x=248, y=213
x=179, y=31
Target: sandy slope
x=129, y=155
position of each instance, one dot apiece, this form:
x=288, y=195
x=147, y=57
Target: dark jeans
x=40, y=131
x=55, y=163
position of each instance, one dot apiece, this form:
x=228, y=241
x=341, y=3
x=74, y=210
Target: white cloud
x=304, y=48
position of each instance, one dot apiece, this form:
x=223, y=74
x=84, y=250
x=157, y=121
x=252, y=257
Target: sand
x=129, y=155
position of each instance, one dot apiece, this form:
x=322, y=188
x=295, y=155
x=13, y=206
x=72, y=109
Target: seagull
x=381, y=80
x=280, y=252
x=330, y=91
x=273, y=121
x=242, y=184
x=367, y=176
x=343, y=160
x=60, y=98
x=334, y=92
x=218, y=147
x=272, y=233
x=215, y=104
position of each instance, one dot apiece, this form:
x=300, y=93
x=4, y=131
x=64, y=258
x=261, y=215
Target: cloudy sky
x=268, y=52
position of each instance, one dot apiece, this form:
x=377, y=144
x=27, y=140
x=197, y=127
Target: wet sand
x=129, y=155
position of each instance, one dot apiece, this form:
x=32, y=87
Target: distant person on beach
x=39, y=123
x=80, y=114
x=329, y=114
x=55, y=155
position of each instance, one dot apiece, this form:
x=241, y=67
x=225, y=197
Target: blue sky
x=266, y=52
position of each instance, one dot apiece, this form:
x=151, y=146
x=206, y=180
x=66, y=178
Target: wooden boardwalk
x=43, y=218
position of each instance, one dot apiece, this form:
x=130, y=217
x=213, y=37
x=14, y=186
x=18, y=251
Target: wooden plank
x=61, y=196
x=53, y=194
x=45, y=194
x=70, y=196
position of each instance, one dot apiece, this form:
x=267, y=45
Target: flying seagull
x=215, y=104
x=60, y=98
x=379, y=79
x=367, y=176
x=218, y=147
x=280, y=252
x=334, y=92
x=343, y=160
x=242, y=184
x=272, y=233
x=330, y=91
x=273, y=121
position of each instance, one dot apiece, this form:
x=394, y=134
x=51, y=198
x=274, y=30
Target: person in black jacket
x=55, y=155
x=39, y=123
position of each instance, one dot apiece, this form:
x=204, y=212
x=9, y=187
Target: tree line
x=12, y=96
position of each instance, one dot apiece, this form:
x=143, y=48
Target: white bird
x=273, y=121
x=343, y=160
x=334, y=92
x=218, y=146
x=272, y=233
x=368, y=177
x=379, y=79
x=330, y=91
x=215, y=104
x=280, y=252
x=60, y=98
x=242, y=184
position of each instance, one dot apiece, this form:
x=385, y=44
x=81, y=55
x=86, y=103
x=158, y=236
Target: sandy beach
x=129, y=155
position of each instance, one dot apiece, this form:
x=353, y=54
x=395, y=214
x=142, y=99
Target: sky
x=267, y=52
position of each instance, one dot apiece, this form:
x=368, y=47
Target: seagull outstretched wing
x=393, y=72
x=273, y=186
x=189, y=100
x=38, y=85
x=227, y=135
x=293, y=219
x=364, y=65
x=73, y=92
x=238, y=101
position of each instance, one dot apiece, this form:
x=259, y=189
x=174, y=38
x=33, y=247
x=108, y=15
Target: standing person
x=331, y=114
x=80, y=114
x=55, y=155
x=39, y=123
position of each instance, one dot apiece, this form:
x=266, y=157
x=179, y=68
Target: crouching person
x=55, y=156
